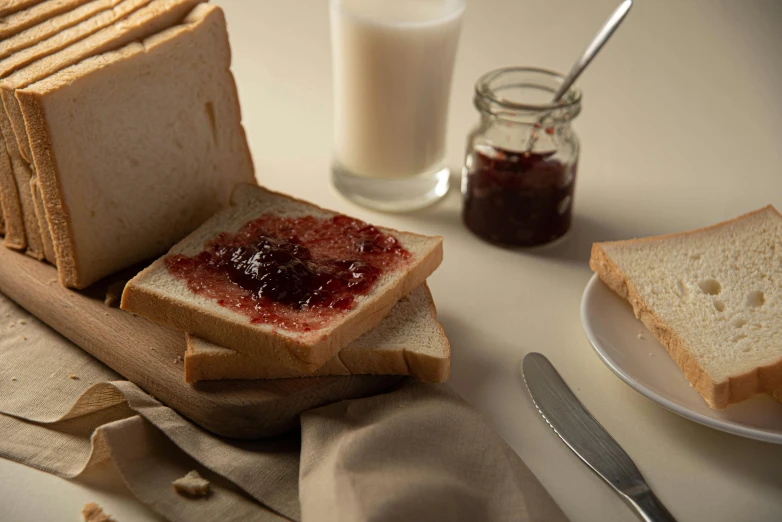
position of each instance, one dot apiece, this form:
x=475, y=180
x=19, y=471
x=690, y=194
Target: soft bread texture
x=18, y=208
x=408, y=341
x=163, y=298
x=711, y=297
x=8, y=7
x=186, y=153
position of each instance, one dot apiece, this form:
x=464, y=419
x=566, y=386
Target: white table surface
x=681, y=127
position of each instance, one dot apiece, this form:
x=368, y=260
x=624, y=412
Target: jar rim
x=483, y=89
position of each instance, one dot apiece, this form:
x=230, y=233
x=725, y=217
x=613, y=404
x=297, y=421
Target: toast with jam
x=282, y=280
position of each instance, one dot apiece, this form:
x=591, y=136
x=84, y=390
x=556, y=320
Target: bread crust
x=9, y=197
x=230, y=365
x=43, y=225
x=49, y=186
x=718, y=395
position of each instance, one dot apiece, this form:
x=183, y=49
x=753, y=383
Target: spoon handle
x=594, y=47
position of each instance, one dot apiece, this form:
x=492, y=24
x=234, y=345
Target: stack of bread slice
x=392, y=329
x=121, y=129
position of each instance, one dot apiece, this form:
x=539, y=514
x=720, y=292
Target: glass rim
x=336, y=5
x=570, y=99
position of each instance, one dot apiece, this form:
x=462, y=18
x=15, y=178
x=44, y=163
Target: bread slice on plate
x=408, y=341
x=712, y=298
x=18, y=208
x=315, y=334
x=173, y=153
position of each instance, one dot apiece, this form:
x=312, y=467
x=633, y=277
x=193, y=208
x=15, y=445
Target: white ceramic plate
x=644, y=364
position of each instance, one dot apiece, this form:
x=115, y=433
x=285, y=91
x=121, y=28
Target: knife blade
x=577, y=428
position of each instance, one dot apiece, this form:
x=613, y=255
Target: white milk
x=393, y=62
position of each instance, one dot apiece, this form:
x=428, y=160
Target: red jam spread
x=518, y=198
x=296, y=273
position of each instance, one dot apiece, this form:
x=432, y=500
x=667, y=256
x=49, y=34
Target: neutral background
x=681, y=127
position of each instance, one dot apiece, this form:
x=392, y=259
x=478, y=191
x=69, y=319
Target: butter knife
x=588, y=439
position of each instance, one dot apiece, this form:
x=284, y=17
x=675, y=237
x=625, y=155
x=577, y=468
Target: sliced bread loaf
x=711, y=297
x=173, y=153
x=8, y=7
x=52, y=26
x=408, y=341
x=20, y=16
x=159, y=295
x=18, y=209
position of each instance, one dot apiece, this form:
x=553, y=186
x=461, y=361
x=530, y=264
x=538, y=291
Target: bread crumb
x=53, y=375
x=24, y=338
x=114, y=294
x=13, y=378
x=22, y=321
x=92, y=512
x=192, y=485
x=73, y=376
x=641, y=336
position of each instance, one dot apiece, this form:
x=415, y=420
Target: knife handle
x=648, y=507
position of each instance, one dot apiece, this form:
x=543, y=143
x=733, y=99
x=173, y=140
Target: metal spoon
x=595, y=45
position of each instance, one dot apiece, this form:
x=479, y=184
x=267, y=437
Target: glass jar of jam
x=520, y=168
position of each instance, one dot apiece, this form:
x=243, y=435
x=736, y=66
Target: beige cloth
x=418, y=452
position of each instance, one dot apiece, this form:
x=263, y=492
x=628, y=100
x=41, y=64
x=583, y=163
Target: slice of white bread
x=173, y=144
x=22, y=220
x=408, y=341
x=157, y=295
x=711, y=297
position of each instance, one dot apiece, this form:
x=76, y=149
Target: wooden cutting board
x=144, y=353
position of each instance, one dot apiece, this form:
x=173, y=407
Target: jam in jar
x=521, y=161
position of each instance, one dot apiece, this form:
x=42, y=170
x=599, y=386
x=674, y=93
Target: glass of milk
x=392, y=66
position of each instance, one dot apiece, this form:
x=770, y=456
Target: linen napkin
x=417, y=452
